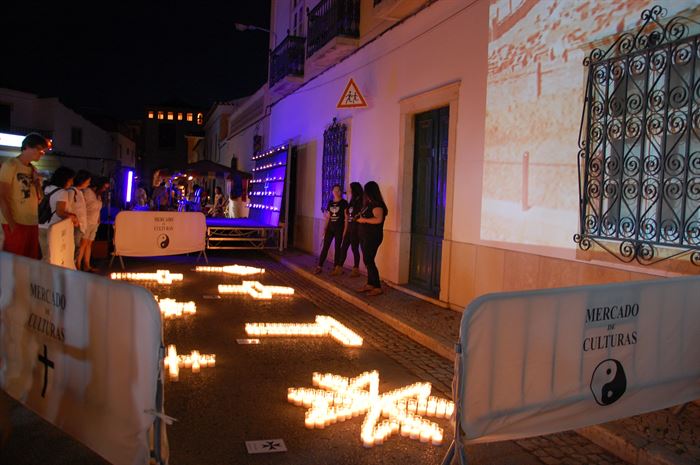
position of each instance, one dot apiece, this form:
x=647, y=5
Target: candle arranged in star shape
x=324, y=326
x=160, y=276
x=237, y=270
x=255, y=289
x=405, y=409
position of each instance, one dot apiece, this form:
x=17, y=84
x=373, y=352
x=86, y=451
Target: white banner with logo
x=83, y=352
x=539, y=362
x=61, y=239
x=148, y=234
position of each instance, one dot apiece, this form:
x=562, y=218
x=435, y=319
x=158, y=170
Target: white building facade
x=471, y=130
x=77, y=142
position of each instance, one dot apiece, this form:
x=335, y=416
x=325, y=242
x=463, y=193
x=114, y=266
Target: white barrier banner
x=61, y=239
x=539, y=362
x=82, y=352
x=148, y=234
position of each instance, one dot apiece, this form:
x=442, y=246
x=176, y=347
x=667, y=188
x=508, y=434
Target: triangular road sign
x=352, y=97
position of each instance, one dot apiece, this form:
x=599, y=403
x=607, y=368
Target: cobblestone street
x=243, y=397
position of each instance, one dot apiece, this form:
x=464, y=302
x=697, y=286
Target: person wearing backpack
x=58, y=199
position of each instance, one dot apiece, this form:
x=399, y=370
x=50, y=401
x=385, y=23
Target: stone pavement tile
x=33, y=440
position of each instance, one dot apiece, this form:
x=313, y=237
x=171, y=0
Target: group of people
x=357, y=224
x=70, y=195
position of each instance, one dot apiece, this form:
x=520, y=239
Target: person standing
x=351, y=238
x=333, y=229
x=20, y=192
x=217, y=209
x=93, y=205
x=239, y=186
x=59, y=201
x=160, y=197
x=80, y=184
x=371, y=220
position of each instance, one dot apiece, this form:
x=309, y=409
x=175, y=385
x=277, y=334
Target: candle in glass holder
x=437, y=437
x=309, y=420
x=195, y=366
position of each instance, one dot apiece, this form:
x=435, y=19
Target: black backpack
x=45, y=212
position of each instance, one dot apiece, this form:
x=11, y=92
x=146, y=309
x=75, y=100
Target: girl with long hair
x=371, y=221
x=352, y=230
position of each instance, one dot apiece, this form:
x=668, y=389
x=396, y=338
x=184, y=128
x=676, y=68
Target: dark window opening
x=76, y=137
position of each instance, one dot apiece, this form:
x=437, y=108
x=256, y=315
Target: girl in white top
x=93, y=202
x=61, y=180
x=80, y=183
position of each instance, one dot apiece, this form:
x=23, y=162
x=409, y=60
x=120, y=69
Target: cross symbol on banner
x=47, y=364
x=272, y=445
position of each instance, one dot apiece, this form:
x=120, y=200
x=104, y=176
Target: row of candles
x=267, y=179
x=196, y=361
x=342, y=398
x=324, y=326
x=270, y=152
x=255, y=289
x=160, y=276
x=268, y=166
x=260, y=206
x=237, y=270
x=170, y=308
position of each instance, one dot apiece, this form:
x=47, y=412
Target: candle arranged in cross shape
x=237, y=270
x=255, y=289
x=195, y=361
x=340, y=398
x=170, y=308
x=324, y=326
x=160, y=276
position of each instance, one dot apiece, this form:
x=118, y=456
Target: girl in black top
x=352, y=230
x=334, y=229
x=371, y=222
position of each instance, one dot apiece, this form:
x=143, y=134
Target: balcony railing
x=330, y=19
x=287, y=59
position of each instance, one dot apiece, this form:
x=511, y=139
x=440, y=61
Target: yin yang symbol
x=608, y=382
x=163, y=241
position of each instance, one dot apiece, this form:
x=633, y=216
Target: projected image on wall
x=535, y=90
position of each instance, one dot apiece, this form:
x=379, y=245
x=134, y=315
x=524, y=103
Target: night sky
x=113, y=58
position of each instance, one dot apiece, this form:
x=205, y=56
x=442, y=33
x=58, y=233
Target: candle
x=437, y=437
x=309, y=420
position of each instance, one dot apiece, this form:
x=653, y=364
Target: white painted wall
x=446, y=43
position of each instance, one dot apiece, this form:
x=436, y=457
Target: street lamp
x=248, y=27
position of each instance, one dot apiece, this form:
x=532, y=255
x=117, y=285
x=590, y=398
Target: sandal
x=375, y=291
x=365, y=288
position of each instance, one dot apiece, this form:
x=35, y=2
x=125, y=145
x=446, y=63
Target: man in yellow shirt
x=20, y=188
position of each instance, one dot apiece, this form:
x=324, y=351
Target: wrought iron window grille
x=639, y=144
x=333, y=167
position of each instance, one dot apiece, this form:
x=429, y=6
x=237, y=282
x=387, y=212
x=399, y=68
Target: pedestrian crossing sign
x=352, y=97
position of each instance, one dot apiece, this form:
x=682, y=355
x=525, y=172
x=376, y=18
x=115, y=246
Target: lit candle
x=437, y=437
